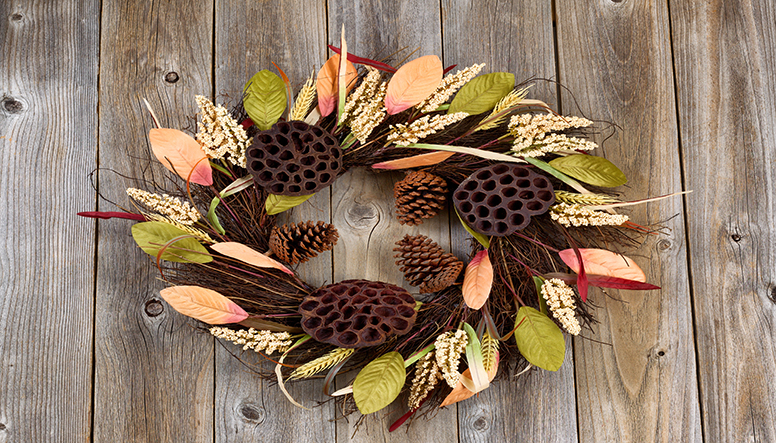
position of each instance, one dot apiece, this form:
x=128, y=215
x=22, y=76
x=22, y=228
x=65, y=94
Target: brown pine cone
x=420, y=195
x=425, y=264
x=296, y=243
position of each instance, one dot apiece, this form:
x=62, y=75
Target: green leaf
x=265, y=99
x=418, y=355
x=379, y=383
x=479, y=380
x=557, y=174
x=152, y=236
x=482, y=238
x=213, y=217
x=482, y=93
x=538, y=281
x=279, y=203
x=539, y=339
x=591, y=169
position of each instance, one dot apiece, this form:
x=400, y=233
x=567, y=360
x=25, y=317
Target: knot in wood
x=362, y=216
x=171, y=77
x=664, y=245
x=251, y=412
x=17, y=17
x=736, y=238
x=2, y=426
x=153, y=308
x=480, y=424
x=12, y=106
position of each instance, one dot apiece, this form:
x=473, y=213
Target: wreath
x=520, y=177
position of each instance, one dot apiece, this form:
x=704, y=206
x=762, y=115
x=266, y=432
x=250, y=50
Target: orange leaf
x=478, y=280
x=181, y=154
x=412, y=83
x=245, y=254
x=327, y=83
x=415, y=161
x=461, y=392
x=603, y=262
x=203, y=304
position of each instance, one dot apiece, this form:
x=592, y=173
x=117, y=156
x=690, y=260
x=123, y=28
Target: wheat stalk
x=489, y=352
x=303, y=101
x=321, y=363
x=583, y=199
x=509, y=101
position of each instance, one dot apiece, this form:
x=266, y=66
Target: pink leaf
x=203, y=304
x=603, y=262
x=109, y=215
x=415, y=161
x=327, y=83
x=245, y=254
x=478, y=280
x=413, y=83
x=602, y=281
x=181, y=154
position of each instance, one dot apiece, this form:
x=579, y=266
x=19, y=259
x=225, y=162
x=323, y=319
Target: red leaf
x=478, y=280
x=603, y=262
x=247, y=123
x=365, y=61
x=181, y=154
x=602, y=281
x=109, y=215
x=413, y=83
x=415, y=161
x=448, y=69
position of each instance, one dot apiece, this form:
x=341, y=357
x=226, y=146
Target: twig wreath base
x=520, y=177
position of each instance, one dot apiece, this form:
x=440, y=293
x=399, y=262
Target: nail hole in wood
x=153, y=308
x=251, y=412
x=12, y=105
x=772, y=293
x=736, y=238
x=171, y=77
x=2, y=427
x=661, y=353
x=17, y=17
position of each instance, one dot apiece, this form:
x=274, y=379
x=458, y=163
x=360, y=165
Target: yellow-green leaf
x=482, y=238
x=379, y=383
x=591, y=169
x=539, y=339
x=265, y=99
x=482, y=93
x=152, y=236
x=279, y=203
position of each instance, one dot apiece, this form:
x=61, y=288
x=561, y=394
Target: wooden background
x=88, y=352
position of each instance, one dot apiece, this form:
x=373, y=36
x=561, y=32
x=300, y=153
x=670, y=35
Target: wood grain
x=292, y=34
x=48, y=103
x=154, y=369
x=362, y=205
x=514, y=36
x=725, y=63
x=615, y=57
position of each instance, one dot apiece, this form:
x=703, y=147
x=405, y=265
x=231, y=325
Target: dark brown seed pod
x=425, y=264
x=294, y=158
x=418, y=196
x=357, y=313
x=500, y=199
x=298, y=242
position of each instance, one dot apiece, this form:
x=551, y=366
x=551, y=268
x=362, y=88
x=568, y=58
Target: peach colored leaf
x=245, y=254
x=603, y=262
x=478, y=280
x=413, y=83
x=327, y=84
x=181, y=154
x=415, y=161
x=461, y=392
x=203, y=304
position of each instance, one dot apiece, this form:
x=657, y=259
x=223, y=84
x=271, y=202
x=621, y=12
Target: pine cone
x=296, y=243
x=425, y=264
x=420, y=195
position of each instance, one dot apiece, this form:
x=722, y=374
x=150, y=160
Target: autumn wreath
x=520, y=178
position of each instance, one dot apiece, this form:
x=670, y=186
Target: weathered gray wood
x=48, y=118
x=515, y=37
x=725, y=59
x=154, y=371
x=291, y=34
x=362, y=202
x=616, y=58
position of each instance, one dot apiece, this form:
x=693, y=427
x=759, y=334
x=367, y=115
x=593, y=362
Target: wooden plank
x=616, y=58
x=48, y=119
x=362, y=202
x=514, y=37
x=291, y=34
x=154, y=370
x=724, y=59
